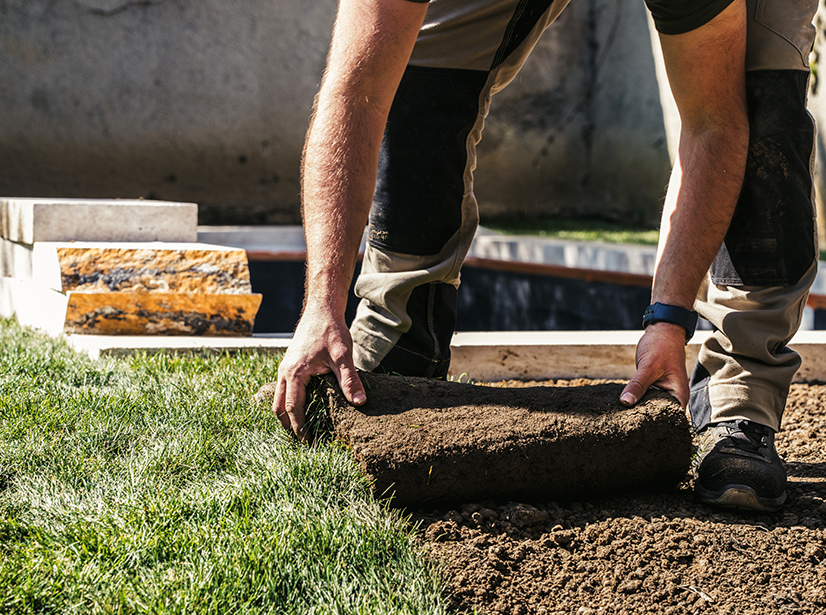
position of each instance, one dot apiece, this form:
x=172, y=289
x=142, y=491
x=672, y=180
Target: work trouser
x=424, y=213
x=757, y=287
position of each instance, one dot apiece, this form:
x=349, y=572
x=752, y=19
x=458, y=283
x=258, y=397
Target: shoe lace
x=748, y=436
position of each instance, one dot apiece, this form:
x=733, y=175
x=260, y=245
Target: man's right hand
x=372, y=42
x=321, y=345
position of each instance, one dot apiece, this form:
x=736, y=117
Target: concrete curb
x=483, y=356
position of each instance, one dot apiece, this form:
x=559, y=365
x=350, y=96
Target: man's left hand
x=660, y=363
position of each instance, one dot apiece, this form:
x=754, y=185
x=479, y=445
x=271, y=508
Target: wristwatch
x=662, y=312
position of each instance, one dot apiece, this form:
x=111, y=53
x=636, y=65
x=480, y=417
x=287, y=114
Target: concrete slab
x=33, y=304
x=261, y=239
x=490, y=356
x=538, y=355
x=487, y=244
x=287, y=238
x=32, y=220
x=566, y=253
x=97, y=346
x=15, y=260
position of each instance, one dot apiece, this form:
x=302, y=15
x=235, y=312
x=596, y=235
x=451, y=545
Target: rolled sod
x=427, y=441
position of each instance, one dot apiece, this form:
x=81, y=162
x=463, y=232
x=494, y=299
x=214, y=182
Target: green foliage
x=155, y=484
x=579, y=229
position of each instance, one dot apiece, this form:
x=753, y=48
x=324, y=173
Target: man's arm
x=371, y=45
x=706, y=70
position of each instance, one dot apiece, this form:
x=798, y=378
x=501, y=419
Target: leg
x=424, y=213
x=757, y=287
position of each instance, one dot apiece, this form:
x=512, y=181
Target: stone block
x=539, y=355
x=279, y=239
x=124, y=288
x=97, y=346
x=32, y=220
x=285, y=238
x=142, y=267
x=137, y=313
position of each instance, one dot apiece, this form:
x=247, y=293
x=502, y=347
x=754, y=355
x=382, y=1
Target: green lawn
x=580, y=229
x=154, y=485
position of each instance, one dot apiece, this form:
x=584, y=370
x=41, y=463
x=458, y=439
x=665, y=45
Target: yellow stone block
x=142, y=313
x=197, y=268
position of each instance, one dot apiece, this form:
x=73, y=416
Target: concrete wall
x=208, y=101
x=581, y=129
x=194, y=100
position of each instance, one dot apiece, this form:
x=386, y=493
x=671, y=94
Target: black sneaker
x=737, y=466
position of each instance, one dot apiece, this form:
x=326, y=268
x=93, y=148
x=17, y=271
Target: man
x=397, y=120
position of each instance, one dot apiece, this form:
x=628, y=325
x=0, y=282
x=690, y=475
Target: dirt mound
x=647, y=553
x=433, y=441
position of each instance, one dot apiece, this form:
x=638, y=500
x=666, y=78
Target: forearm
x=339, y=172
x=372, y=41
x=706, y=70
x=700, y=202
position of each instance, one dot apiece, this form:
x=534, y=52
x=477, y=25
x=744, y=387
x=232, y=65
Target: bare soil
x=645, y=552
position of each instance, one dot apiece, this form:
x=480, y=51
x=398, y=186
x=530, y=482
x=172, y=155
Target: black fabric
x=524, y=18
x=699, y=405
x=491, y=300
x=771, y=240
x=681, y=16
x=423, y=159
x=425, y=349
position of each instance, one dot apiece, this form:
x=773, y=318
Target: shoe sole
x=741, y=497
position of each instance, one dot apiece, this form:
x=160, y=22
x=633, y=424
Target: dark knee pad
x=420, y=187
x=425, y=349
x=771, y=239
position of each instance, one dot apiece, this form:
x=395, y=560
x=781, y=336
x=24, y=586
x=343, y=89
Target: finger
x=350, y=383
x=633, y=392
x=279, y=403
x=295, y=397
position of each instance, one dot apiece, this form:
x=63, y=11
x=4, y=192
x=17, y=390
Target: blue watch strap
x=663, y=312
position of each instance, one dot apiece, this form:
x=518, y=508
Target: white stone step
x=29, y=220
x=33, y=304
x=16, y=260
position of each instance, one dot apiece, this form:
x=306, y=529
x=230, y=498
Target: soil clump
x=439, y=442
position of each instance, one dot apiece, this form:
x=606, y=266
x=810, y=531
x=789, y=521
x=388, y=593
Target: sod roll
x=426, y=441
